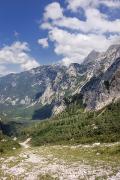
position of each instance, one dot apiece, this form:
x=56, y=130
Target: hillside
x=75, y=126
x=68, y=146
x=73, y=145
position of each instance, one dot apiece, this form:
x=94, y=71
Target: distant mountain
x=44, y=88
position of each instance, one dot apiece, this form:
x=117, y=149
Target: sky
x=37, y=32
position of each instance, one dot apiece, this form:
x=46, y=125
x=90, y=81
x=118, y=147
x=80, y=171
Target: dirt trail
x=39, y=163
x=25, y=144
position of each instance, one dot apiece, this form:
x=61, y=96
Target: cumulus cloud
x=74, y=5
x=16, y=54
x=53, y=11
x=46, y=25
x=74, y=38
x=95, y=22
x=43, y=42
x=74, y=47
x=98, y=22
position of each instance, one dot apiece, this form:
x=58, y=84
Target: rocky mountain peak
x=107, y=58
x=92, y=56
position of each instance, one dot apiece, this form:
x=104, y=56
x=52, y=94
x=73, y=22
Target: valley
x=59, y=122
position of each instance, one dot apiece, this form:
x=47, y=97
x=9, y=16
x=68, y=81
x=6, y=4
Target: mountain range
x=44, y=88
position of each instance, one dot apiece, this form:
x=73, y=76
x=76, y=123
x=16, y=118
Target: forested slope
x=77, y=126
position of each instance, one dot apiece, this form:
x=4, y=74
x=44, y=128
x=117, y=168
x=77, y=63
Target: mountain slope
x=40, y=92
x=103, y=89
x=42, y=86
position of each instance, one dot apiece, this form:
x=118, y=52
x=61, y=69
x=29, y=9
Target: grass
x=92, y=154
x=7, y=145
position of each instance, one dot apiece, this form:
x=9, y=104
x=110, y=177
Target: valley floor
x=81, y=162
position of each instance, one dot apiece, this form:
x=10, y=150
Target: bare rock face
x=91, y=58
x=103, y=89
x=47, y=96
x=58, y=108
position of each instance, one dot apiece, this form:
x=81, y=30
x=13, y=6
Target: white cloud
x=66, y=61
x=43, y=42
x=17, y=54
x=70, y=23
x=86, y=34
x=95, y=22
x=53, y=11
x=74, y=5
x=74, y=47
x=46, y=25
x=111, y=3
x=99, y=22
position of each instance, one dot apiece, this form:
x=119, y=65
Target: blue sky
x=22, y=16
x=35, y=32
